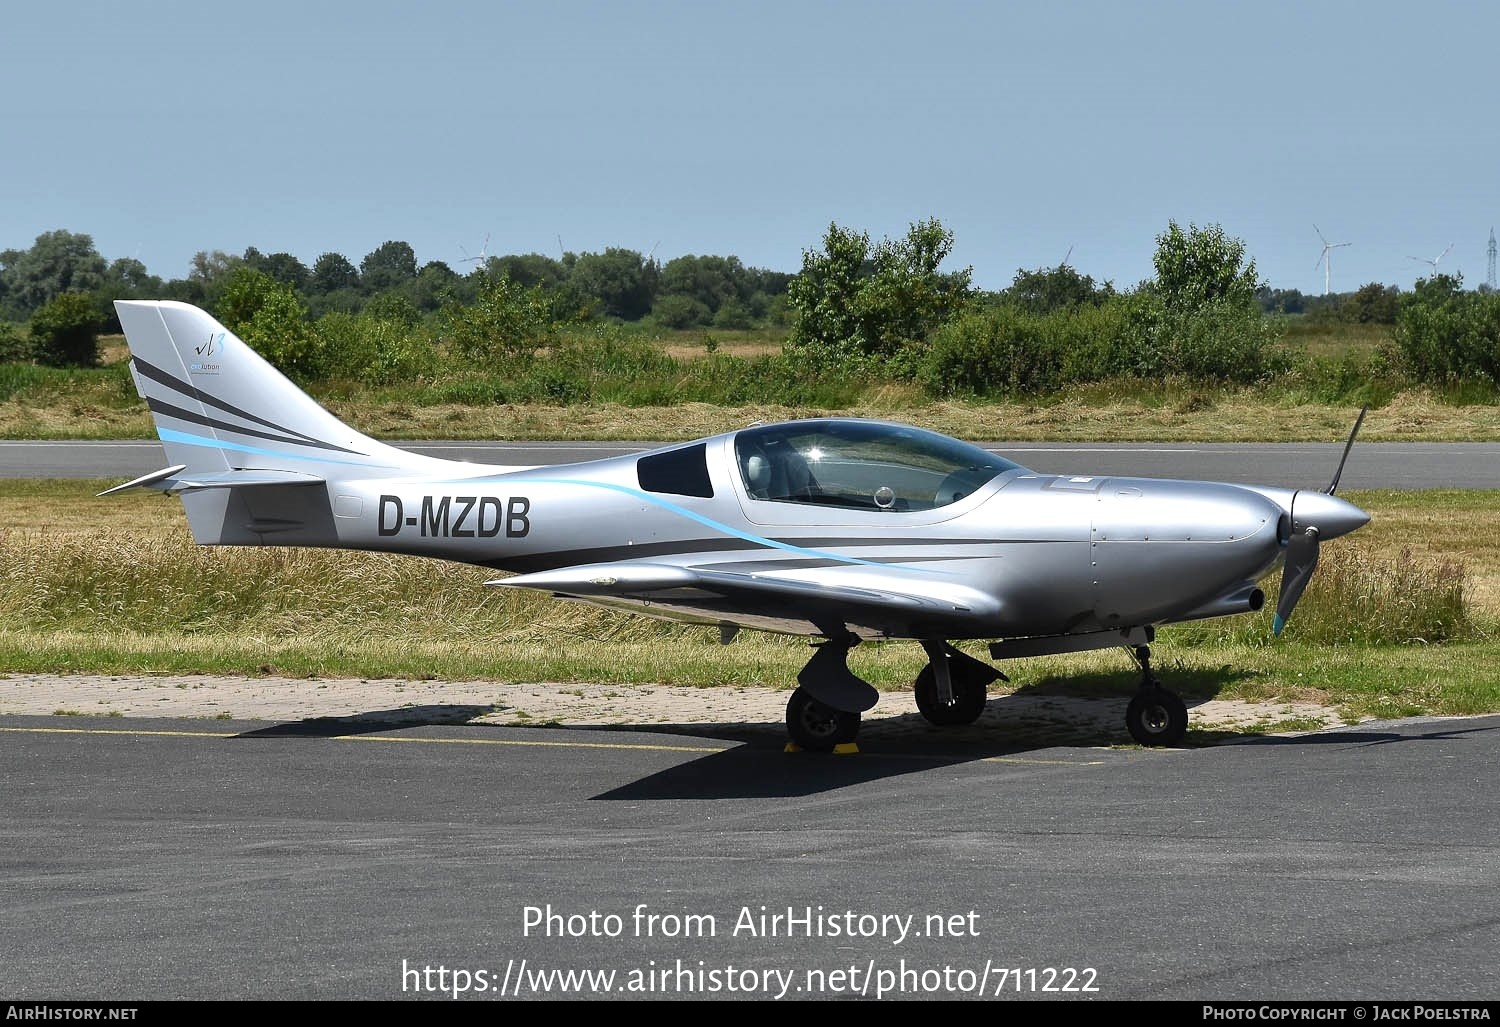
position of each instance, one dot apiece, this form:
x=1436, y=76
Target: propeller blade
x=1301, y=560
x=1347, y=446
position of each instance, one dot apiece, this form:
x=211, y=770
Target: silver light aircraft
x=837, y=529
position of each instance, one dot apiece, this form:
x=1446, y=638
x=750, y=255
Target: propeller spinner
x=1315, y=516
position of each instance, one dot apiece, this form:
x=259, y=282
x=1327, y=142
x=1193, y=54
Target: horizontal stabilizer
x=167, y=480
x=147, y=479
x=243, y=479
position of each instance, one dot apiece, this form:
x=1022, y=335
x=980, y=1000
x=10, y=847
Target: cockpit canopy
x=863, y=465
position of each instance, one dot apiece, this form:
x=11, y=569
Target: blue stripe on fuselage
x=707, y=522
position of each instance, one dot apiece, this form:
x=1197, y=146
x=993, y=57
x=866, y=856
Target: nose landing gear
x=1156, y=716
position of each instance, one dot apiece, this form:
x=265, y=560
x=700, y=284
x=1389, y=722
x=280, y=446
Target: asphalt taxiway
x=348, y=859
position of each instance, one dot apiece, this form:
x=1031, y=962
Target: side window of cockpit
x=677, y=472
x=773, y=469
x=960, y=484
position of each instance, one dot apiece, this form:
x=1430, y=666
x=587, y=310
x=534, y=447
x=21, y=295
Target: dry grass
x=115, y=585
x=1440, y=526
x=1332, y=340
x=702, y=342
x=1434, y=526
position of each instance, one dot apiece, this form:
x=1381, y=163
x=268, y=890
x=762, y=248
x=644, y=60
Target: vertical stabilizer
x=219, y=406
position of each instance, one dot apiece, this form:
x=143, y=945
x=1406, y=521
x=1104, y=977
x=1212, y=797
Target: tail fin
x=219, y=407
x=250, y=454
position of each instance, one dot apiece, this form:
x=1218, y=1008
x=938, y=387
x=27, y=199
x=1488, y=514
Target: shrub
x=1223, y=342
x=1447, y=336
x=373, y=349
x=997, y=352
x=65, y=332
x=507, y=324
x=679, y=312
x=15, y=347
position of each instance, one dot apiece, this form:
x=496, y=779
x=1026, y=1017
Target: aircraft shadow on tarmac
x=762, y=766
x=373, y=722
x=751, y=772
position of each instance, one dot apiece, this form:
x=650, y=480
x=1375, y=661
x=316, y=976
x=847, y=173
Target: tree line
x=859, y=309
x=686, y=292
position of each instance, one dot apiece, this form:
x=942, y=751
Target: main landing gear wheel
x=1156, y=717
x=816, y=726
x=966, y=707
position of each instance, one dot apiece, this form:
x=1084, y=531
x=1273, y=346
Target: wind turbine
x=1434, y=260
x=479, y=260
x=1327, y=258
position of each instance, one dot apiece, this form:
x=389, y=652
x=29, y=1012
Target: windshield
x=862, y=464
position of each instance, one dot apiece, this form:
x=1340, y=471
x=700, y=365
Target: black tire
x=968, y=700
x=1156, y=717
x=816, y=726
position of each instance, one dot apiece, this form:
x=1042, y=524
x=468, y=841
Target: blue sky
x=1036, y=132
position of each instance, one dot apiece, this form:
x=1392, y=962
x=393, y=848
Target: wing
x=888, y=601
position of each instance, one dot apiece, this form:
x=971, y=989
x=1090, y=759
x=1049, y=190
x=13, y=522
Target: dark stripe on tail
x=161, y=377
x=168, y=410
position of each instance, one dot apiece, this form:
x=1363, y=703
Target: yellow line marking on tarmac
x=369, y=738
x=549, y=745
x=646, y=747
x=113, y=731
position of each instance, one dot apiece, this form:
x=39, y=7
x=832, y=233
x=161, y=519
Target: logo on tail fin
x=214, y=344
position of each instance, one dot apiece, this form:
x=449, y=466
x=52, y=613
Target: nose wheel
x=1156, y=716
